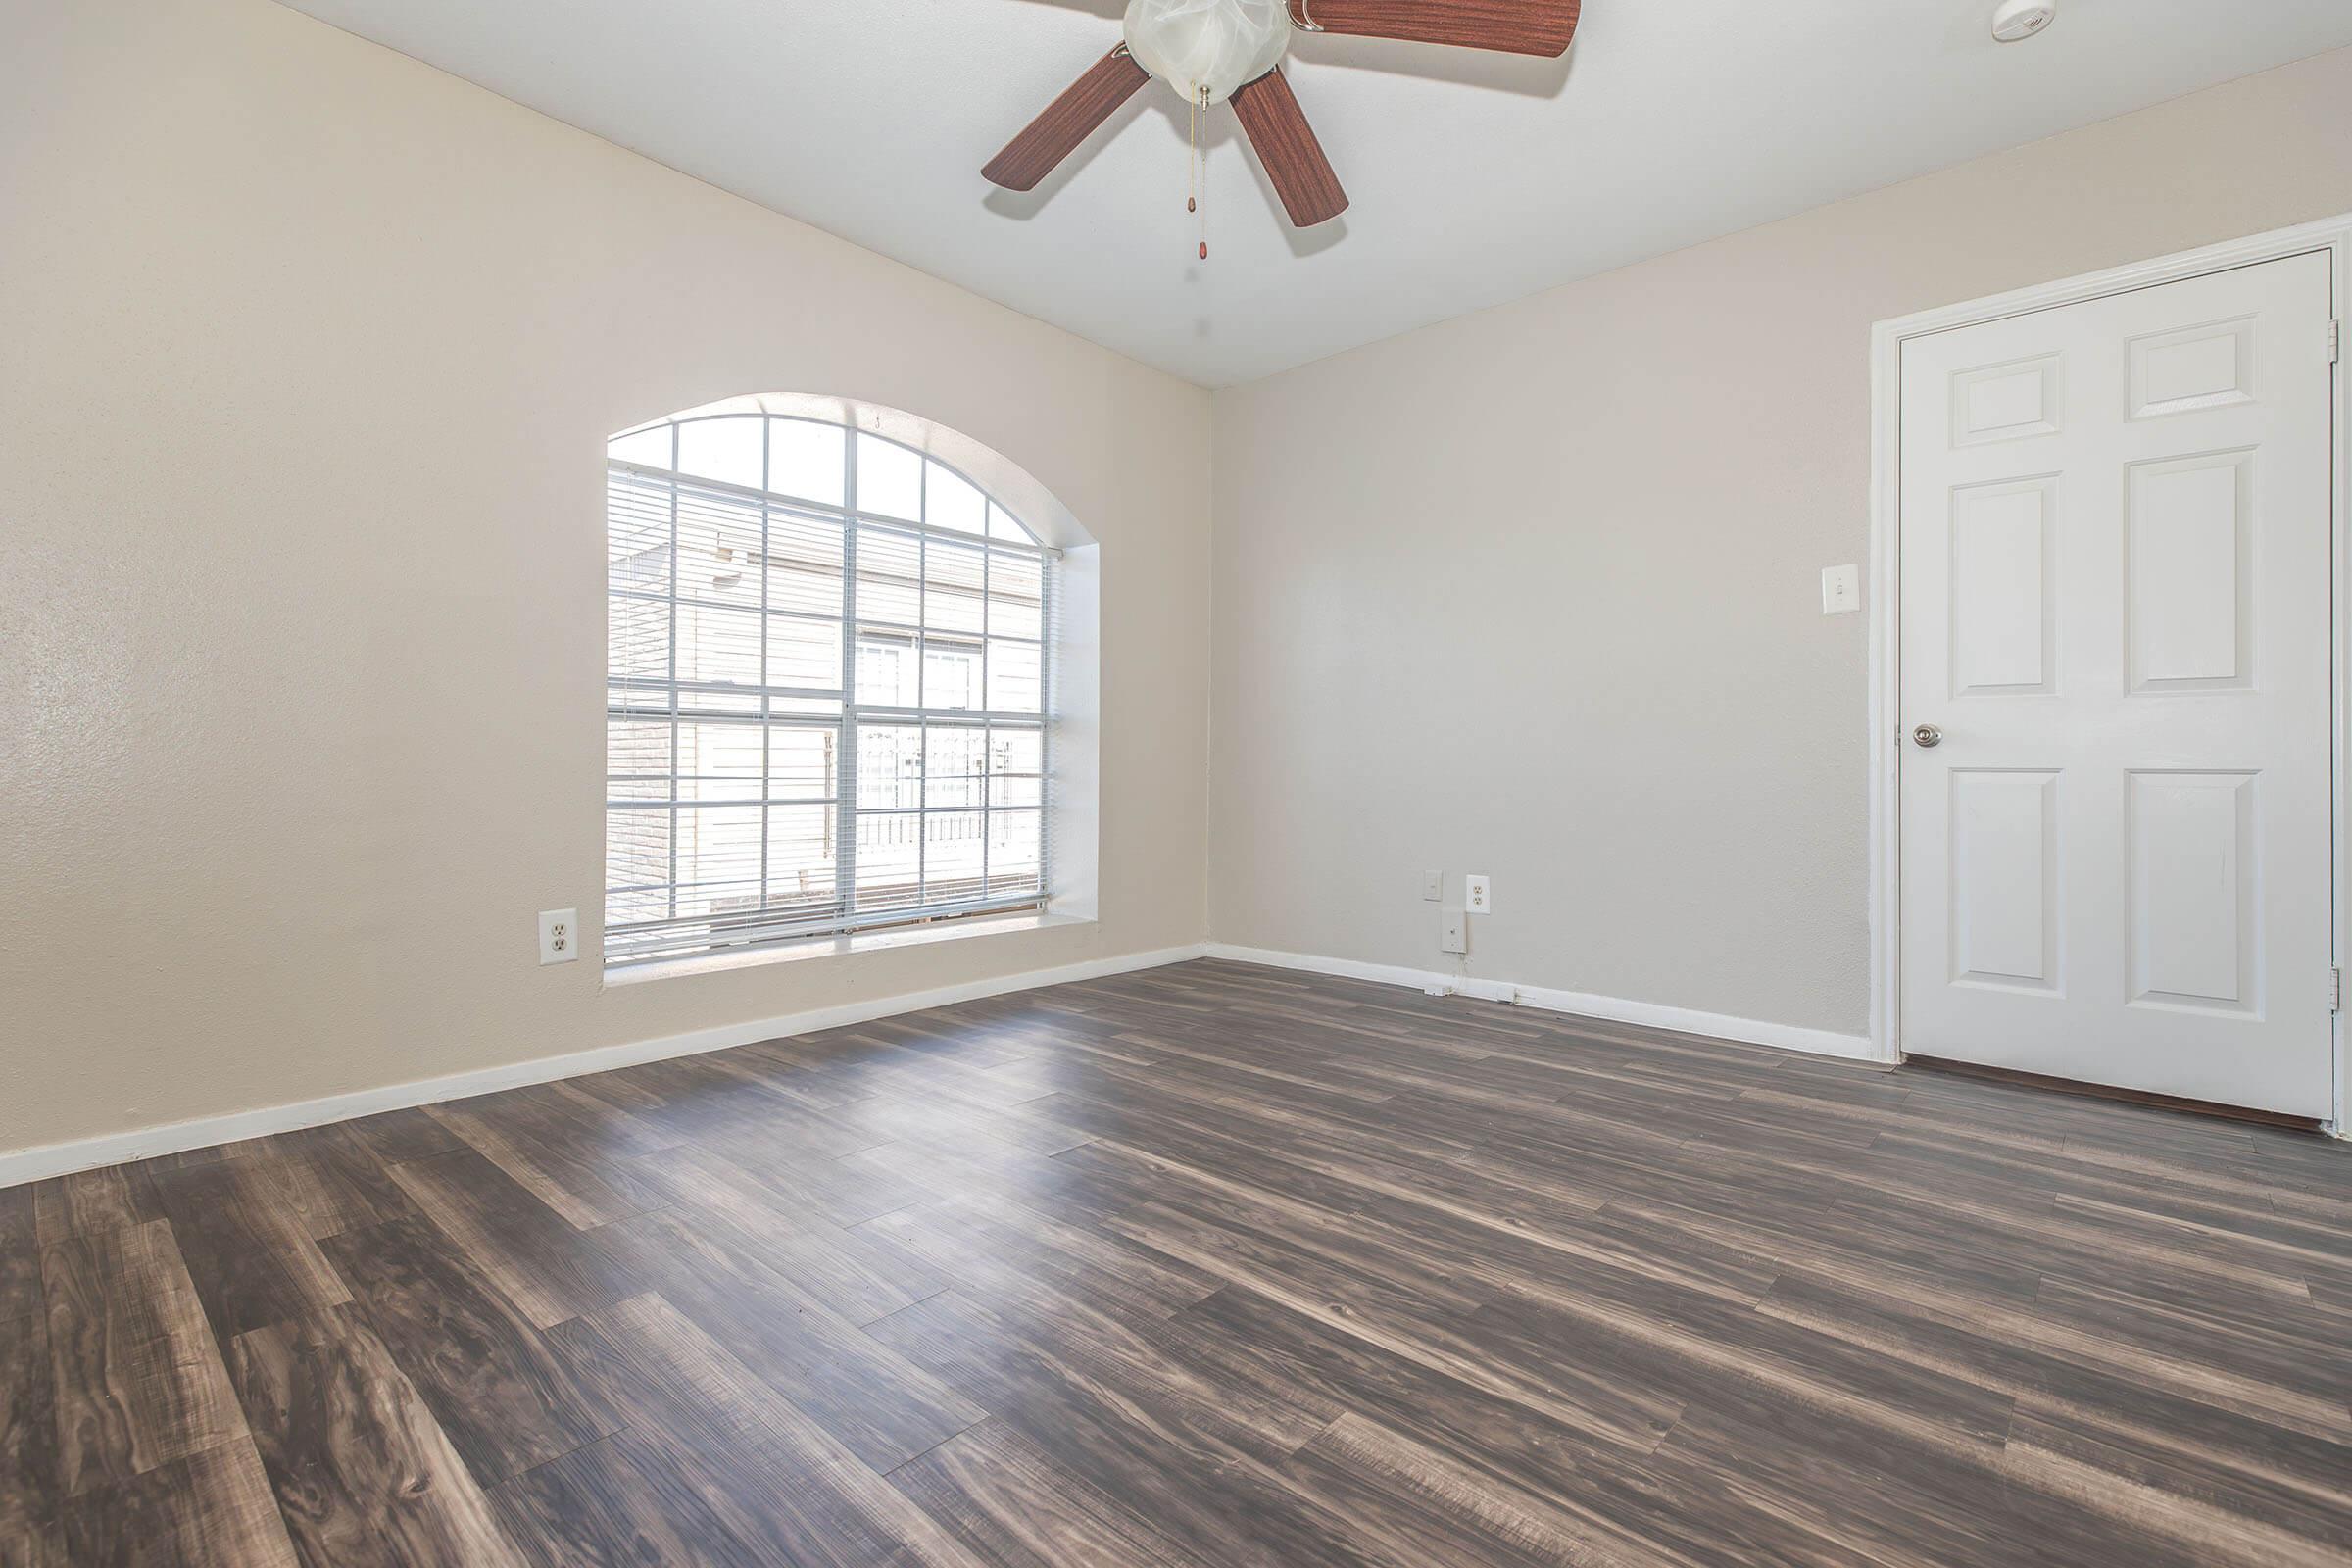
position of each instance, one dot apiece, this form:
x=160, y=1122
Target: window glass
x=804, y=460
x=751, y=798
x=727, y=450
x=890, y=479
x=951, y=502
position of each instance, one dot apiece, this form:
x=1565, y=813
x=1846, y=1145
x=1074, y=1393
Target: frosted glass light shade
x=1216, y=45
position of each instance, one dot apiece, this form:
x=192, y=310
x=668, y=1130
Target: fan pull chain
x=1192, y=161
x=1202, y=178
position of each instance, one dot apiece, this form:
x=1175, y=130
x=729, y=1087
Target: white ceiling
x=1476, y=179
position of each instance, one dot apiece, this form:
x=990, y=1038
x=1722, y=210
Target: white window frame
x=638, y=943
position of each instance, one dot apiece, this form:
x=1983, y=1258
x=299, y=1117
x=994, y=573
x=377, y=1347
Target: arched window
x=827, y=687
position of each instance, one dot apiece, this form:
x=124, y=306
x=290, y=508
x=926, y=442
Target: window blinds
x=827, y=670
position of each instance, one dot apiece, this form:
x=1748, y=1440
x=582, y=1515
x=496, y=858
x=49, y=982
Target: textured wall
x=310, y=355
x=1535, y=592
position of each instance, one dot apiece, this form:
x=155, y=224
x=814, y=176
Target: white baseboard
x=1614, y=1010
x=22, y=1165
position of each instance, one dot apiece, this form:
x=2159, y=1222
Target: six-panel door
x=2114, y=567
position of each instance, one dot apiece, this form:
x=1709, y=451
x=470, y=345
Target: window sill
x=837, y=947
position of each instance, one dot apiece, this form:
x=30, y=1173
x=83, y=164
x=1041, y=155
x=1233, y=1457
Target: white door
x=2114, y=608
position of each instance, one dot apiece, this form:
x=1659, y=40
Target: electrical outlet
x=1454, y=931
x=1433, y=885
x=1477, y=897
x=559, y=935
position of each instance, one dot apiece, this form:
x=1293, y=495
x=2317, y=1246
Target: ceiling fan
x=1211, y=51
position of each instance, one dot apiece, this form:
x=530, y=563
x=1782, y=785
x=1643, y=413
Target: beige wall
x=309, y=353
x=1535, y=592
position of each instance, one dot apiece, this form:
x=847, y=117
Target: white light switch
x=1477, y=897
x=1433, y=885
x=1840, y=590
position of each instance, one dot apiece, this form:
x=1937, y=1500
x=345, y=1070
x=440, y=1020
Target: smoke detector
x=2014, y=20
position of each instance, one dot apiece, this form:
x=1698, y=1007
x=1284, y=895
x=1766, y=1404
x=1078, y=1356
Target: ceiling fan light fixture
x=2013, y=21
x=1205, y=49
x=1220, y=51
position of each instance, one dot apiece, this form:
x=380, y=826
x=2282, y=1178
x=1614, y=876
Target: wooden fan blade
x=1068, y=120
x=1516, y=26
x=1286, y=144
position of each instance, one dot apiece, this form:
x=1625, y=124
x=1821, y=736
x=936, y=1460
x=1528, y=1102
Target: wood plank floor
x=1206, y=1265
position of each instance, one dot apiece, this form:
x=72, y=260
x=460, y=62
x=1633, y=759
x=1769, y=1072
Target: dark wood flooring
x=1206, y=1265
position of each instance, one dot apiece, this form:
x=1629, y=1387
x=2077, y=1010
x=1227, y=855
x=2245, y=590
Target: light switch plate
x=559, y=935
x=1478, y=898
x=1840, y=590
x=1433, y=885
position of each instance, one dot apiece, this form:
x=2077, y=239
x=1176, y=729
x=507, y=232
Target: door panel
x=2190, y=603
x=2005, y=878
x=2196, y=890
x=2116, y=559
x=2004, y=607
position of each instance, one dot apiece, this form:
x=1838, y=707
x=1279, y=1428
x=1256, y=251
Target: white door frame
x=2332, y=235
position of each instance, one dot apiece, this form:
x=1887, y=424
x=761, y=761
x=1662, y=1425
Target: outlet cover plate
x=1478, y=896
x=559, y=936
x=1454, y=931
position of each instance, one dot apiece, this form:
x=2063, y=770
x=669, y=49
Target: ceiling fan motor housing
x=1207, y=48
